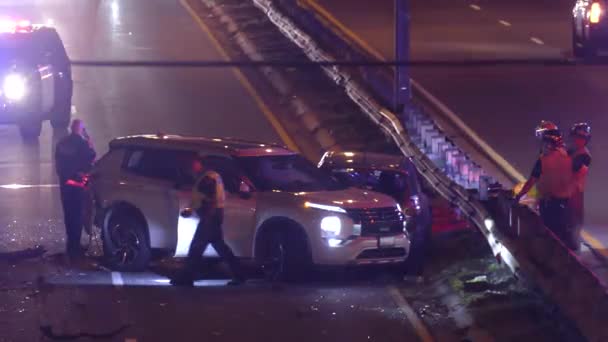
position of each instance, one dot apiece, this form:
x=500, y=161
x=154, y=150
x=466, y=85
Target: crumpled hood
x=349, y=198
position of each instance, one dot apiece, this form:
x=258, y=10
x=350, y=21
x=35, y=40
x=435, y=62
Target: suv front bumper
x=363, y=250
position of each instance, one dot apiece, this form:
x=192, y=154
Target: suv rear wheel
x=284, y=257
x=125, y=243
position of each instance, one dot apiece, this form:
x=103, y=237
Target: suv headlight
x=14, y=87
x=331, y=226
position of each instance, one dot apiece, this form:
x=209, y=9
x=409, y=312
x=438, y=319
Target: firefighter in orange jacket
x=554, y=178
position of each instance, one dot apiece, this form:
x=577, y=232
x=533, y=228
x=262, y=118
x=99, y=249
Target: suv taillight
x=595, y=13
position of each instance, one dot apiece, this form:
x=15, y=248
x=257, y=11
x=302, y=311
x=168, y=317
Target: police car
x=589, y=27
x=281, y=210
x=35, y=77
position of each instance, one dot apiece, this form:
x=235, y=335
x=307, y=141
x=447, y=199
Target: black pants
x=557, y=215
x=72, y=198
x=419, y=249
x=209, y=231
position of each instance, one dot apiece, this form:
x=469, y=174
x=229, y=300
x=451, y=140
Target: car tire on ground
x=30, y=130
x=125, y=243
x=285, y=257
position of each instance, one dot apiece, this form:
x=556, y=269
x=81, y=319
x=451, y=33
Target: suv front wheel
x=284, y=257
x=125, y=243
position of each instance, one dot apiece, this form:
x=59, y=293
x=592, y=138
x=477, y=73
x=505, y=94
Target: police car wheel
x=30, y=130
x=60, y=123
x=125, y=244
x=62, y=116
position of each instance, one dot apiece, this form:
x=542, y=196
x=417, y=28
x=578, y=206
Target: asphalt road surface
x=502, y=104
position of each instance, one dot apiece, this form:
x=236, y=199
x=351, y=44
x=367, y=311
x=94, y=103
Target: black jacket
x=73, y=156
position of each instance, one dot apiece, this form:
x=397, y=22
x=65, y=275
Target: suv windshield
x=291, y=173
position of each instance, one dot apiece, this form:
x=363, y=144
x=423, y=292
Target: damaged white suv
x=281, y=210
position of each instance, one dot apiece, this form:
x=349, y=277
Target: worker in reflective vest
x=554, y=178
x=580, y=135
x=208, y=198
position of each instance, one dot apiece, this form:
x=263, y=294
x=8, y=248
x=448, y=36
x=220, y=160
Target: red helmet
x=548, y=132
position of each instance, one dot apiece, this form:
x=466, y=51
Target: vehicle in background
x=393, y=175
x=35, y=77
x=396, y=176
x=589, y=27
x=281, y=210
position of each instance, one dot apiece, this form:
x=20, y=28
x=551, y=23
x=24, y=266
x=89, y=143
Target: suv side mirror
x=244, y=190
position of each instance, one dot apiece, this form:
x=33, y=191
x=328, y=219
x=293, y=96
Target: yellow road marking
x=348, y=32
x=421, y=330
x=595, y=243
x=278, y=127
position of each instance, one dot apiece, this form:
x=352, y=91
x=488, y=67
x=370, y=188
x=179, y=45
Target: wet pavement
x=467, y=295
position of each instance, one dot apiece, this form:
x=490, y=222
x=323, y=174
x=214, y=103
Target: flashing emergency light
x=15, y=26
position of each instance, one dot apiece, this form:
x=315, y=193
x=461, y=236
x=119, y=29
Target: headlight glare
x=14, y=87
x=331, y=226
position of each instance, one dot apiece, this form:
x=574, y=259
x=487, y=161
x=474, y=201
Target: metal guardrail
x=515, y=234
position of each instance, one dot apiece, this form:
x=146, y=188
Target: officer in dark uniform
x=208, y=198
x=74, y=156
x=580, y=135
x=553, y=175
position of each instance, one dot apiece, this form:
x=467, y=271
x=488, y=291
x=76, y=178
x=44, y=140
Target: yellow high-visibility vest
x=217, y=201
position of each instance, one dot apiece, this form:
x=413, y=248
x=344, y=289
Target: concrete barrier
x=557, y=271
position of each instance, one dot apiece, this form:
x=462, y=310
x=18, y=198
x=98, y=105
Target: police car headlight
x=14, y=87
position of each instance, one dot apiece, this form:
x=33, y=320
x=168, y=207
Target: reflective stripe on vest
x=220, y=196
x=557, y=178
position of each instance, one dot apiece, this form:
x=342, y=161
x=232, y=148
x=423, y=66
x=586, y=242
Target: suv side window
x=157, y=163
x=227, y=168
